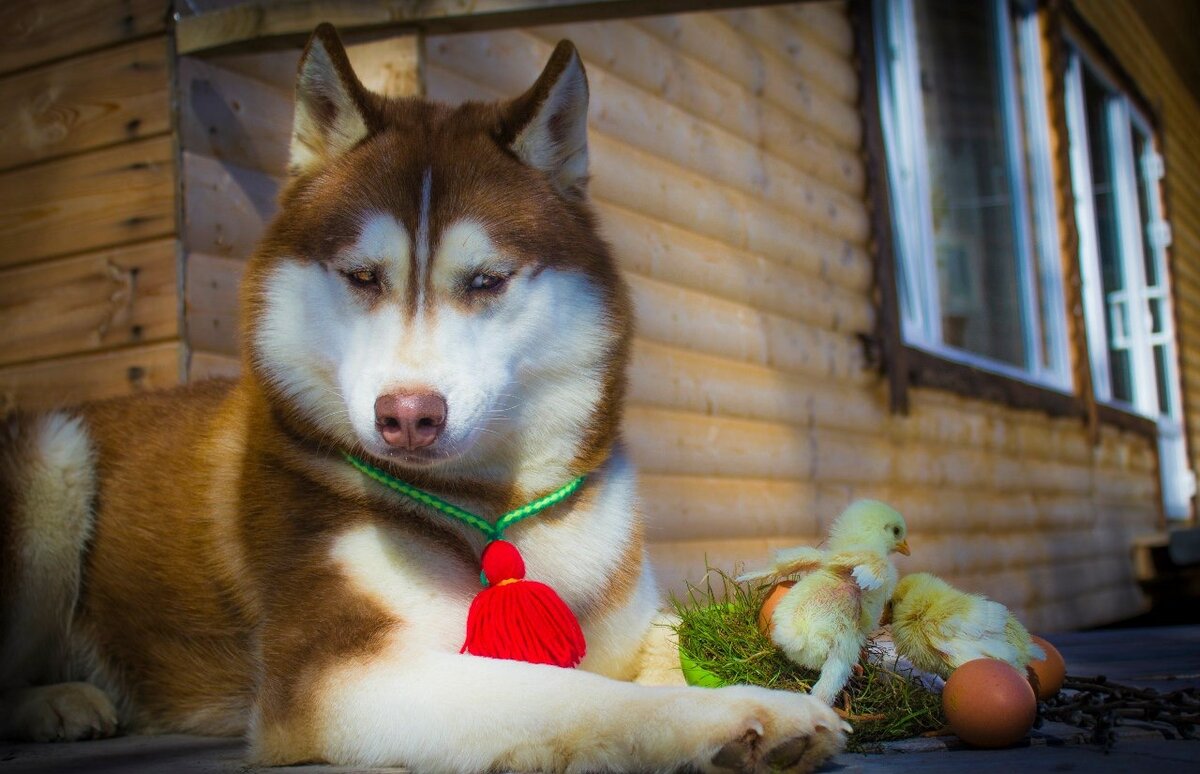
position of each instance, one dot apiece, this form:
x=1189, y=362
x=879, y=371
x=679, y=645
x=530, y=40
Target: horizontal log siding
x=1127, y=37
x=727, y=172
x=89, y=299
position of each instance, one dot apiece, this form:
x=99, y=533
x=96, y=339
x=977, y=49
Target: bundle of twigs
x=1099, y=706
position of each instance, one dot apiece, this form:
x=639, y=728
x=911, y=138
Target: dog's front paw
x=775, y=731
x=65, y=712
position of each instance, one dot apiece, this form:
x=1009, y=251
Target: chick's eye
x=363, y=278
x=896, y=531
x=487, y=281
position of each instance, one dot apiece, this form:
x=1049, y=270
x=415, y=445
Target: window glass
x=970, y=185
x=1108, y=243
x=964, y=116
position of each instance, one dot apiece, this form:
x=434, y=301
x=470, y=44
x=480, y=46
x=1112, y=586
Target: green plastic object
x=696, y=674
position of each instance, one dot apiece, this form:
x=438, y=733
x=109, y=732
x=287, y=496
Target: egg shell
x=1047, y=675
x=769, y=604
x=989, y=704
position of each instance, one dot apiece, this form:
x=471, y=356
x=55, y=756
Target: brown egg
x=770, y=603
x=988, y=703
x=1047, y=675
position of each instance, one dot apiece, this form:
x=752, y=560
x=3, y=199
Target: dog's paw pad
x=739, y=754
x=788, y=754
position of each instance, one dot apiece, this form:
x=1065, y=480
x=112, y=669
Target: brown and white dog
x=433, y=297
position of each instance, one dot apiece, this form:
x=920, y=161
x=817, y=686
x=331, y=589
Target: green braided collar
x=492, y=531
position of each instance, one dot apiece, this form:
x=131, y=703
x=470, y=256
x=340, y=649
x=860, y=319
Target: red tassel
x=520, y=619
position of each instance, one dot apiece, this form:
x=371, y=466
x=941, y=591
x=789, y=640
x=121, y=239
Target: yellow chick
x=940, y=628
x=823, y=621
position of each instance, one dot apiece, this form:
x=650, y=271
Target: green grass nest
x=718, y=631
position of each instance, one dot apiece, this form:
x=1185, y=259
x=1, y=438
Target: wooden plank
x=708, y=508
x=684, y=318
x=671, y=377
x=284, y=22
x=116, y=297
x=211, y=302
x=827, y=21
x=42, y=30
x=631, y=53
x=71, y=380
x=798, y=45
x=506, y=61
x=391, y=66
x=273, y=67
x=710, y=39
x=233, y=118
x=665, y=252
x=209, y=365
x=90, y=101
x=226, y=207
x=95, y=200
x=683, y=443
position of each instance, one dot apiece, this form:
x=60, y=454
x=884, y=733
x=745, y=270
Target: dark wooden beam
x=265, y=24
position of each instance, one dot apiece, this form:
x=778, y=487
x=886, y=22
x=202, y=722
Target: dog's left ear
x=547, y=126
x=332, y=106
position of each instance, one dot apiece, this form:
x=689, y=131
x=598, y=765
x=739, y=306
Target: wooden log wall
x=88, y=296
x=727, y=168
x=1121, y=27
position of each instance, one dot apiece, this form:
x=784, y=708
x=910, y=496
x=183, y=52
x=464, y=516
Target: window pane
x=970, y=184
x=1142, y=151
x=1108, y=242
x=1162, y=378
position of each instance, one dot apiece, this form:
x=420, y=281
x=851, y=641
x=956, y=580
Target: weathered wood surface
x=233, y=118
x=225, y=206
x=121, y=296
x=44, y=30
x=211, y=301
x=107, y=197
x=112, y=96
x=70, y=380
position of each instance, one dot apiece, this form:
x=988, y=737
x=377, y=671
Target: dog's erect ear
x=547, y=126
x=331, y=104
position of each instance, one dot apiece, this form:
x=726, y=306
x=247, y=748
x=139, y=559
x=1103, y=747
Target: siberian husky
x=434, y=298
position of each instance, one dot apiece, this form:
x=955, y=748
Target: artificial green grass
x=718, y=630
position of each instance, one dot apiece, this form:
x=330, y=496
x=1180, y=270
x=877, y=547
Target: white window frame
x=902, y=117
x=1122, y=117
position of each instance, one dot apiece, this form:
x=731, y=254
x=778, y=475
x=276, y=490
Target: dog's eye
x=363, y=278
x=487, y=281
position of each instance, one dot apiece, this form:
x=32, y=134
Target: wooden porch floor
x=1163, y=658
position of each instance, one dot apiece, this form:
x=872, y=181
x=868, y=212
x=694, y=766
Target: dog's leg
x=47, y=484
x=63, y=712
x=442, y=712
x=659, y=657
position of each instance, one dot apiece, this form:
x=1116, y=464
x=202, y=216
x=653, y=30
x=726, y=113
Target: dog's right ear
x=332, y=109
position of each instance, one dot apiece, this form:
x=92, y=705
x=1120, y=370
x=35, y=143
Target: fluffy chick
x=823, y=621
x=940, y=628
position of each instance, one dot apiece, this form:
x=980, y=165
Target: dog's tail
x=47, y=493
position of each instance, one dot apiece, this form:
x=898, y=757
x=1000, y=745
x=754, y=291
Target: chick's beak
x=902, y=547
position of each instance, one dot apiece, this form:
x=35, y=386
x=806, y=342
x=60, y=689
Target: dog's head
x=434, y=292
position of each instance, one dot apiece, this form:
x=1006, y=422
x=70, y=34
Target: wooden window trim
x=905, y=366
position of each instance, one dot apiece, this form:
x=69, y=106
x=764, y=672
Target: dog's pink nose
x=410, y=420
